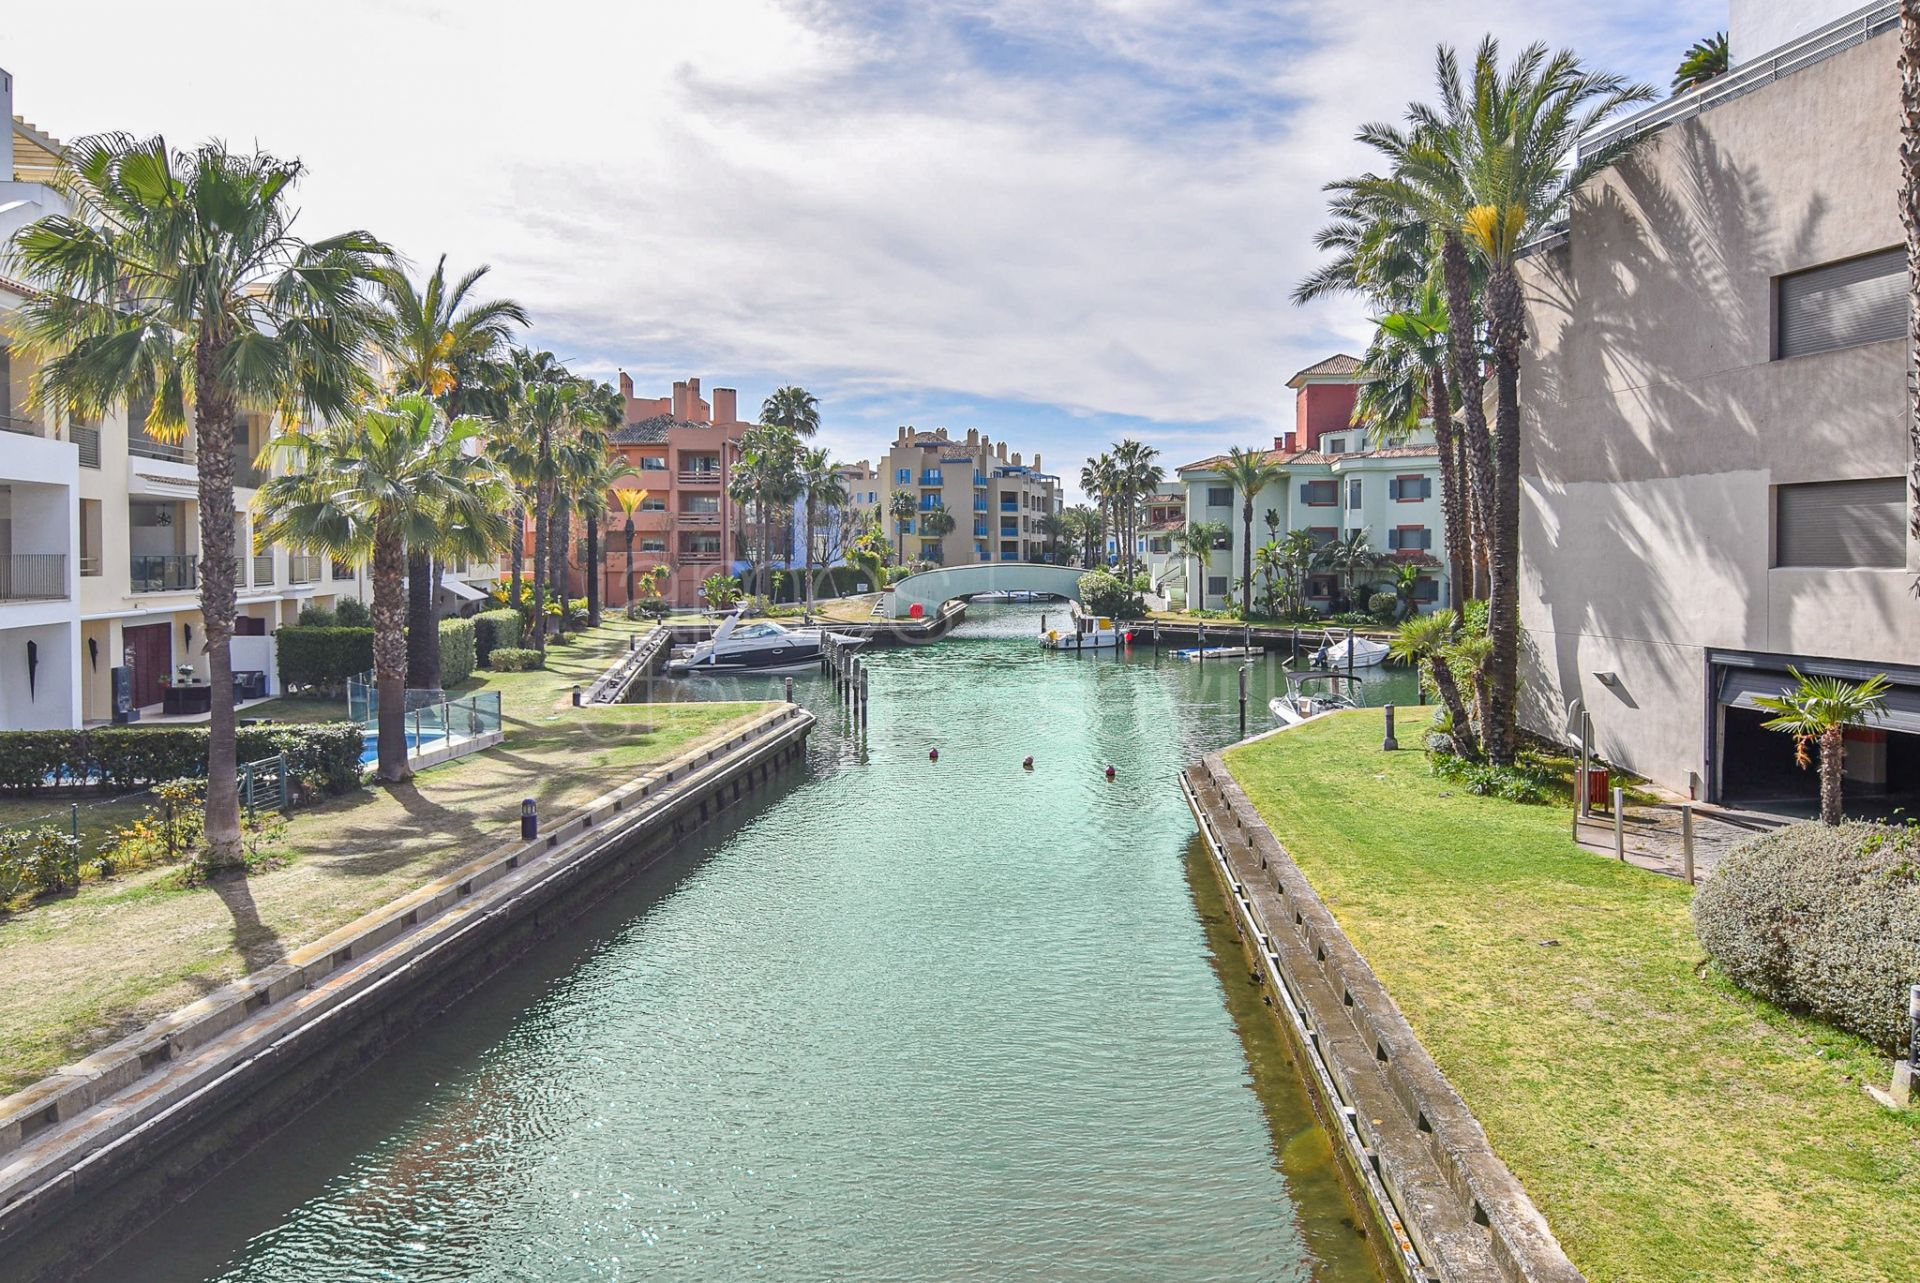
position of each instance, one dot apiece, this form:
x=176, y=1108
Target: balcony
x=245, y=475
x=699, y=557
x=303, y=570
x=25, y=425
x=708, y=520
x=91, y=567
x=263, y=570
x=1009, y=505
x=176, y=572
x=979, y=503
x=931, y=478
x=33, y=576
x=142, y=446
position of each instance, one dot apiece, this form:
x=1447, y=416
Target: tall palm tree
x=792, y=408
x=1100, y=482
x=937, y=524
x=630, y=500
x=901, y=505
x=1424, y=640
x=1818, y=711
x=1198, y=539
x=765, y=481
x=371, y=488
x=1704, y=60
x=1297, y=550
x=582, y=456
x=177, y=284
x=825, y=491
x=1249, y=472
x=431, y=334
x=1910, y=222
x=1054, y=526
x=543, y=416
x=596, y=483
x=1135, y=476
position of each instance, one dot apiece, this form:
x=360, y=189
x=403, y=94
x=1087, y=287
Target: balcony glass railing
x=175, y=572
x=33, y=576
x=142, y=446
x=26, y=425
x=931, y=477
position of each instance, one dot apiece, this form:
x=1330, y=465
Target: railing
x=700, y=476
x=91, y=566
x=267, y=782
x=175, y=572
x=33, y=576
x=262, y=569
x=452, y=723
x=88, y=439
x=699, y=518
x=303, y=569
x=1841, y=34
x=930, y=479
x=141, y=446
x=20, y=423
x=692, y=558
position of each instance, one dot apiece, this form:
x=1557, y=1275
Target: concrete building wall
x=1657, y=423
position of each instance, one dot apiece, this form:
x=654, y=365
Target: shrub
x=1102, y=593
x=351, y=612
x=1383, y=605
x=38, y=860
x=515, y=659
x=651, y=607
x=318, y=617
x=577, y=611
x=1525, y=781
x=495, y=628
x=325, y=756
x=456, y=651
x=1822, y=920
x=323, y=657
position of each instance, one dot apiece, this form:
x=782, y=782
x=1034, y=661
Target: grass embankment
x=84, y=970
x=1669, y=1126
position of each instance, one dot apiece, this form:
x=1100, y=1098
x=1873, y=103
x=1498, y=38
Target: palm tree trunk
x=593, y=571
x=806, y=556
x=219, y=568
x=1910, y=221
x=390, y=611
x=518, y=553
x=541, y=500
x=561, y=574
x=1833, y=767
x=1443, y=681
x=1506, y=311
x=1470, y=385
x=1452, y=508
x=423, y=637
x=1246, y=558
x=629, y=560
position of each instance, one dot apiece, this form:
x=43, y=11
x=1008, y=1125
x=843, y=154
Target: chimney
x=941, y=433
x=626, y=385
x=680, y=407
x=1036, y=461
x=6, y=126
x=900, y=437
x=726, y=405
x=973, y=437
x=696, y=408
x=1016, y=458
x=1000, y=452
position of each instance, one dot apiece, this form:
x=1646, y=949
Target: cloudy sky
x=1062, y=221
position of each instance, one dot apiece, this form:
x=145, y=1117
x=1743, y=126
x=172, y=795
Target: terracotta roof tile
x=1339, y=365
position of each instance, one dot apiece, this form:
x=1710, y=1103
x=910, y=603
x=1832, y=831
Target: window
x=1337, y=445
x=1320, y=588
x=1862, y=300
x=1426, y=591
x=1323, y=535
x=1410, y=489
x=1353, y=493
x=1216, y=585
x=1219, y=496
x=903, y=475
x=1160, y=543
x=653, y=463
x=1409, y=539
x=653, y=543
x=654, y=503
x=1320, y=494
x=1841, y=523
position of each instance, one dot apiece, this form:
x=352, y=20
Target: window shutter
x=1393, y=488
x=1862, y=300
x=1426, y=487
x=1426, y=539
x=1393, y=540
x=1841, y=523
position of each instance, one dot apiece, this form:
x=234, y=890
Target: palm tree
x=1297, y=550
x=1910, y=222
x=1270, y=559
x=825, y=490
x=1347, y=556
x=1704, y=60
x=630, y=501
x=581, y=455
x=1054, y=526
x=1198, y=539
x=544, y=416
x=1406, y=586
x=1249, y=472
x=596, y=483
x=765, y=481
x=1425, y=640
x=902, y=505
x=1100, y=481
x=937, y=524
x=1818, y=711
x=370, y=489
x=430, y=336
x=1135, y=476
x=792, y=408
x=178, y=285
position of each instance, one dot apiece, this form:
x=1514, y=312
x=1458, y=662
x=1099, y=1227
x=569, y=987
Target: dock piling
x=789, y=690
x=1245, y=669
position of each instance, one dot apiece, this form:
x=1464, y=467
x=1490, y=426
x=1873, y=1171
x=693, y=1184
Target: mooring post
x=1389, y=744
x=1247, y=640
x=1201, y=631
x=864, y=693
x=576, y=695
x=1686, y=840
x=1619, y=826
x=1245, y=669
x=789, y=690
x=1294, y=658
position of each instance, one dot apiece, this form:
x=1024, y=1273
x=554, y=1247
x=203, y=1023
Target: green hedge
x=322, y=657
x=456, y=651
x=324, y=755
x=514, y=659
x=495, y=628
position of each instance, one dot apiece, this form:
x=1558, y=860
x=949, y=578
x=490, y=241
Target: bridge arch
x=931, y=589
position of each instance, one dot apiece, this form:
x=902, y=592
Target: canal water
x=902, y=1020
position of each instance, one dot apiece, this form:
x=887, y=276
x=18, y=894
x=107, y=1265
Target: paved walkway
x=1653, y=835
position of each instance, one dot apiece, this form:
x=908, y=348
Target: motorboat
x=1013, y=595
x=1312, y=694
x=1344, y=650
x=1088, y=632
x=762, y=646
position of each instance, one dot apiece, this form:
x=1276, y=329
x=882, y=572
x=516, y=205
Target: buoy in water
x=933, y=755
x=1110, y=772
x=1027, y=764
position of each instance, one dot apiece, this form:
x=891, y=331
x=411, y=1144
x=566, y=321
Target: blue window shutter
x=1303, y=492
x=1426, y=539
x=1426, y=487
x=1393, y=540
x=1393, y=487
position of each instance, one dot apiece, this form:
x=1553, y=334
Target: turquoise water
x=907, y=1021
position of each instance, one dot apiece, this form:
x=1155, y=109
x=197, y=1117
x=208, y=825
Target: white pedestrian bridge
x=932, y=589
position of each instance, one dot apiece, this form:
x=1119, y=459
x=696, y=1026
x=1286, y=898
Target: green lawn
x=1669, y=1126
x=85, y=969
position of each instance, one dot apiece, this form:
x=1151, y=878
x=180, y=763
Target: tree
x=630, y=500
x=1425, y=640
x=1296, y=551
x=1704, y=60
x=902, y=505
x=937, y=524
x=178, y=286
x=1818, y=711
x=1406, y=586
x=1347, y=556
x=765, y=480
x=1270, y=559
x=544, y=415
x=370, y=488
x=1054, y=526
x=792, y=408
x=430, y=336
x=595, y=484
x=1134, y=475
x=1198, y=539
x=825, y=491
x=1100, y=481
x=1249, y=472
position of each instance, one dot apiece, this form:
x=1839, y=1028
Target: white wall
x=53, y=701
x=1756, y=27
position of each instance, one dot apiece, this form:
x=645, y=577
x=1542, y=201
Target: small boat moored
x=762, y=646
x=1349, y=650
x=1312, y=694
x=1089, y=632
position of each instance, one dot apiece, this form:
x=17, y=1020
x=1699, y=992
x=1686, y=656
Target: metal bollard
x=75, y=817
x=789, y=690
x=1619, y=827
x=529, y=819
x=863, y=696
x=1389, y=744
x=1686, y=841
x=1244, y=670
x=1201, y=633
x=576, y=696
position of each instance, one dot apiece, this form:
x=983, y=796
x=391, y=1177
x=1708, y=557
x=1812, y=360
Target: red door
x=149, y=652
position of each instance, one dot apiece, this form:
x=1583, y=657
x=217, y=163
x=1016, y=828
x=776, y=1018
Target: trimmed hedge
x=515, y=659
x=322, y=657
x=325, y=756
x=1822, y=920
x=456, y=651
x=495, y=628
x=351, y=612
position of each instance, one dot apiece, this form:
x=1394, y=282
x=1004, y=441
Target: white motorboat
x=762, y=646
x=1013, y=595
x=1342, y=651
x=1310, y=695
x=1088, y=632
